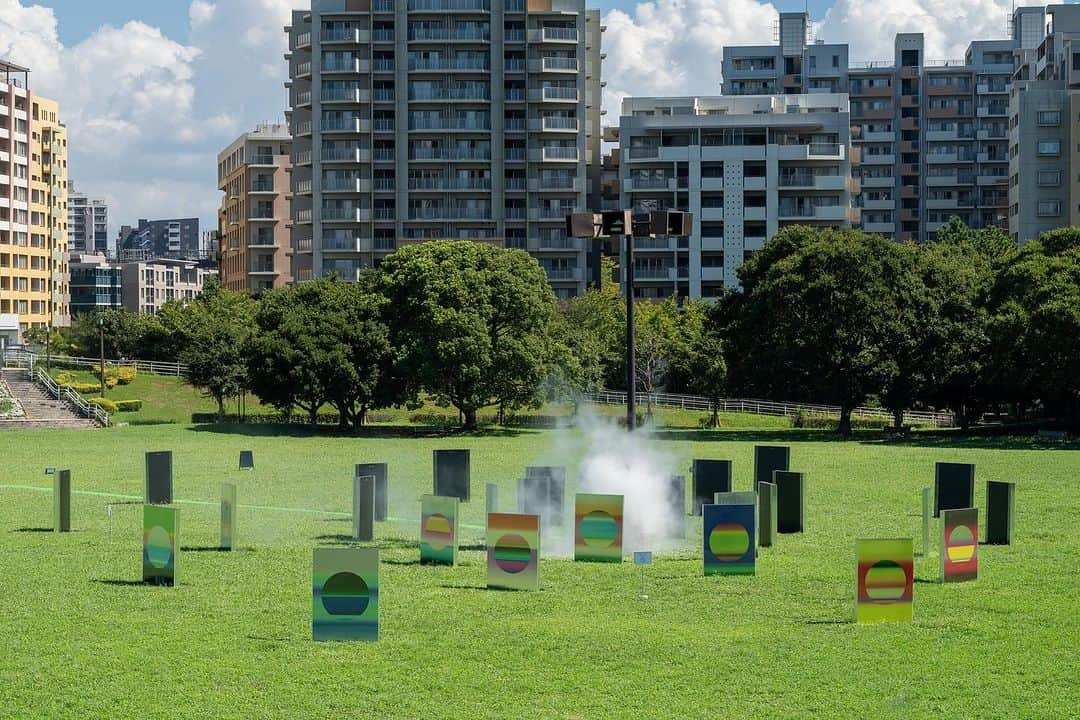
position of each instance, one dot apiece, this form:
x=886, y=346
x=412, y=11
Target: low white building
x=745, y=166
x=9, y=330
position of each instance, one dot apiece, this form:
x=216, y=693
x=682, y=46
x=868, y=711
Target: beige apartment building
x=147, y=286
x=255, y=250
x=34, y=283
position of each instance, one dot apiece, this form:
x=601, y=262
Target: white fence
x=767, y=407
x=30, y=360
x=64, y=393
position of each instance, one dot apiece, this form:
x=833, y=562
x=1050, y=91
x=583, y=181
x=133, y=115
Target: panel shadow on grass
x=32, y=530
x=208, y=548
x=124, y=583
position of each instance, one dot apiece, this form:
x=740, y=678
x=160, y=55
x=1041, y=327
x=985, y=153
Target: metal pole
x=631, y=360
x=101, y=327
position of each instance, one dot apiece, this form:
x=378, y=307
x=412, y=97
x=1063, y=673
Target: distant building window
x=1049, y=117
x=1049, y=178
x=836, y=61
x=1076, y=61
x=1050, y=147
x=1048, y=208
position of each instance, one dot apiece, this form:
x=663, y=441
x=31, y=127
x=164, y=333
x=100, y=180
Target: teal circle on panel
x=599, y=529
x=345, y=593
x=158, y=547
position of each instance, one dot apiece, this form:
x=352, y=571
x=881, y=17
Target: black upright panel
x=790, y=501
x=710, y=477
x=452, y=474
x=954, y=486
x=1000, y=497
x=552, y=489
x=382, y=500
x=768, y=459
x=159, y=478
x=247, y=460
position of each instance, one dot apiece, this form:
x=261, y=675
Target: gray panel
x=158, y=488
x=954, y=486
x=1000, y=507
x=62, y=501
x=491, y=497
x=710, y=477
x=767, y=519
x=790, y=501
x=382, y=498
x=768, y=459
x=364, y=508
x=452, y=474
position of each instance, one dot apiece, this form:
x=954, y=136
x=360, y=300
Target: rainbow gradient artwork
x=728, y=539
x=438, y=530
x=598, y=527
x=884, y=580
x=160, y=546
x=513, y=551
x=345, y=593
x=960, y=545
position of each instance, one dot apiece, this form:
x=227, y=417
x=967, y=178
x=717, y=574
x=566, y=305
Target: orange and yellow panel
x=513, y=551
x=959, y=545
x=884, y=580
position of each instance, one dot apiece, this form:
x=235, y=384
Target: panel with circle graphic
x=438, y=530
x=513, y=551
x=160, y=545
x=598, y=527
x=345, y=593
x=884, y=579
x=959, y=545
x=728, y=539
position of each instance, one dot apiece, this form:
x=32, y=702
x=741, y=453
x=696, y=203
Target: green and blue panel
x=513, y=551
x=598, y=527
x=438, y=530
x=345, y=594
x=728, y=539
x=161, y=546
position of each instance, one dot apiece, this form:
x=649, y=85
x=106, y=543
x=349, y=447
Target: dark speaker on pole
x=672, y=222
x=615, y=222
x=581, y=225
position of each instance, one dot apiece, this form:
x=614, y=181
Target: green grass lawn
x=82, y=638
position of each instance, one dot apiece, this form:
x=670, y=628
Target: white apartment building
x=744, y=166
x=88, y=223
x=147, y=286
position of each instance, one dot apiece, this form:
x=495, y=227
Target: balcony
x=348, y=154
x=303, y=217
x=553, y=35
x=384, y=124
x=261, y=216
x=346, y=94
x=419, y=33
x=556, y=153
x=557, y=94
x=331, y=64
x=449, y=6
x=515, y=95
x=303, y=40
x=352, y=185
x=384, y=154
x=563, y=274
x=556, y=184
x=554, y=64
x=651, y=183
x=384, y=184
x=303, y=128
x=449, y=213
x=345, y=35
x=868, y=159
x=554, y=124
x=262, y=186
x=514, y=65
x=514, y=184
x=447, y=184
x=347, y=125
x=515, y=124
x=345, y=214
x=556, y=242
x=811, y=181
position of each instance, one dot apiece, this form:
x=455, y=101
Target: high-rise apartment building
x=744, y=167
x=33, y=205
x=88, y=223
x=254, y=227
x=424, y=119
x=932, y=133
x=147, y=286
x=95, y=284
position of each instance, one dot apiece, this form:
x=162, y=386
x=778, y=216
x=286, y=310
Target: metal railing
x=766, y=407
x=64, y=393
x=28, y=359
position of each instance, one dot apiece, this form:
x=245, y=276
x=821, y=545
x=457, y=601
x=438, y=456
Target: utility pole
x=101, y=331
x=631, y=358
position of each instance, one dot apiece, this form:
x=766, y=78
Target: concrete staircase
x=41, y=409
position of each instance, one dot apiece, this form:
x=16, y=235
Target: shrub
x=65, y=378
x=85, y=388
x=125, y=374
x=104, y=403
x=6, y=406
x=128, y=405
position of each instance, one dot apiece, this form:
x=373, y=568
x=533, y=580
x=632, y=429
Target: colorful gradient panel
x=513, y=551
x=598, y=527
x=438, y=530
x=884, y=580
x=960, y=545
x=160, y=545
x=728, y=539
x=345, y=594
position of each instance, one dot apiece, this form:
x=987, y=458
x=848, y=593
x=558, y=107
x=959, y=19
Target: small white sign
x=50, y=471
x=643, y=557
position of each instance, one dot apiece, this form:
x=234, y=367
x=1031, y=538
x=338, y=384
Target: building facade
x=88, y=223
x=177, y=239
x=147, y=286
x=96, y=284
x=33, y=205
x=744, y=167
x=254, y=227
x=932, y=133
x=427, y=119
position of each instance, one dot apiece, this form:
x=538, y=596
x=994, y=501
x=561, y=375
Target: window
x=1049, y=208
x=1049, y=117
x=1049, y=177
x=836, y=61
x=1076, y=61
x=1049, y=147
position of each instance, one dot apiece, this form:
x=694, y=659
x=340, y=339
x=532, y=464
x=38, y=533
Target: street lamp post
x=594, y=226
x=101, y=346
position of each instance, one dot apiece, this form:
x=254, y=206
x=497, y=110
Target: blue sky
x=80, y=18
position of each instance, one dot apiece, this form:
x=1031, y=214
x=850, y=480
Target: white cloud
x=146, y=114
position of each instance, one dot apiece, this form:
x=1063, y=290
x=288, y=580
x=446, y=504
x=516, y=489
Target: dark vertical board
x=159, y=490
x=247, y=460
x=452, y=474
x=555, y=480
x=364, y=508
x=62, y=501
x=768, y=459
x=767, y=519
x=382, y=497
x=790, y=501
x=710, y=477
x=1000, y=508
x=954, y=486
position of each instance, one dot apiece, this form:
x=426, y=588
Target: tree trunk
x=313, y=414
x=502, y=414
x=470, y=418
x=898, y=419
x=714, y=421
x=220, y=408
x=844, y=428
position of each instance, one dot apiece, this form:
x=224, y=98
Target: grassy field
x=81, y=637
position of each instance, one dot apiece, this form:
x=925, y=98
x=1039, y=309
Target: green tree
x=213, y=331
x=705, y=365
x=469, y=323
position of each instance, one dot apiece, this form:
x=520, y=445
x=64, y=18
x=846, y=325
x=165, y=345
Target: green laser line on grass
x=274, y=508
